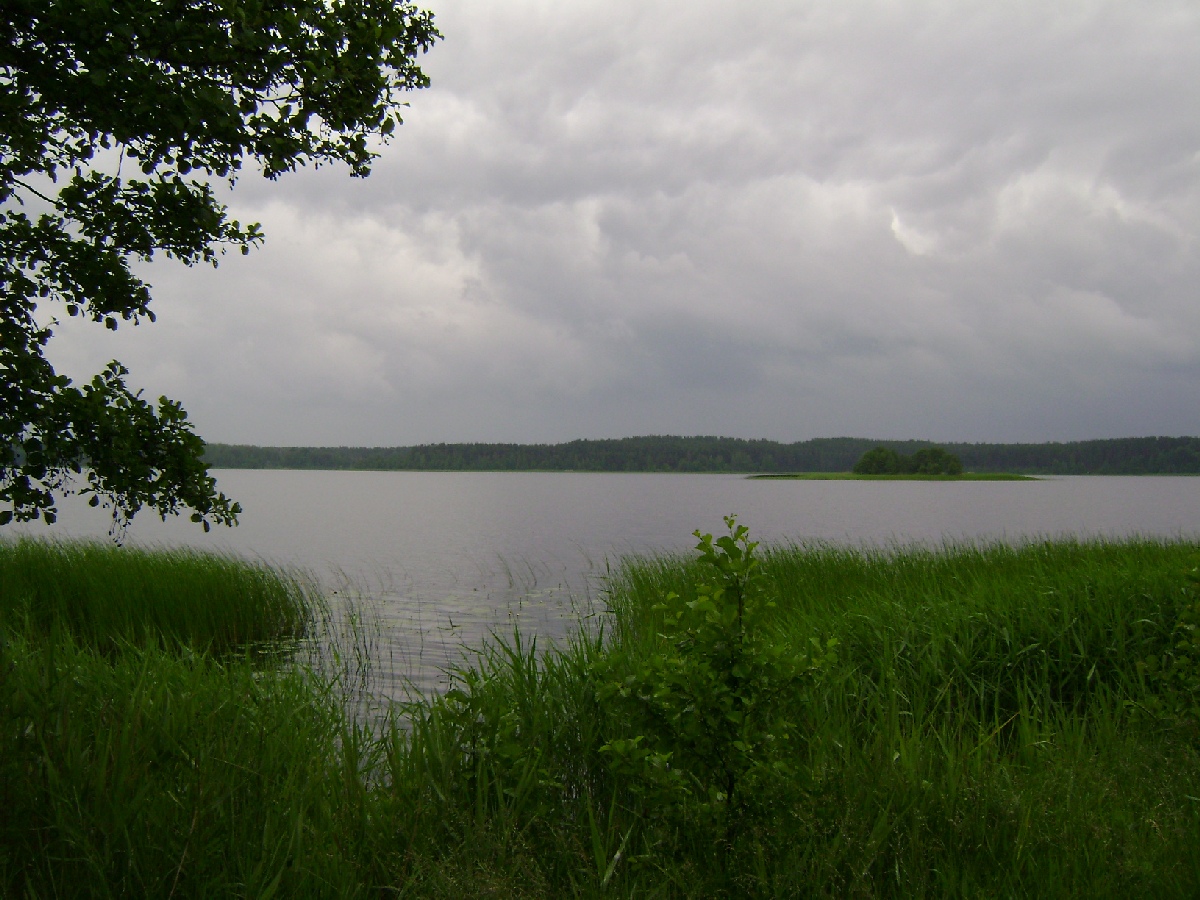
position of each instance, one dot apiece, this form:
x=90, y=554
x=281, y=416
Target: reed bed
x=982, y=727
x=105, y=596
x=160, y=774
x=984, y=731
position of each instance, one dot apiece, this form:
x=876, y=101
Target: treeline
x=1120, y=456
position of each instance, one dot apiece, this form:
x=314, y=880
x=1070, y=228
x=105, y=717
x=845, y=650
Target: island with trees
x=927, y=464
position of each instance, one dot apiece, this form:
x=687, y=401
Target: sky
x=956, y=221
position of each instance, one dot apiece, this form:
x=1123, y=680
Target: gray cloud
x=948, y=220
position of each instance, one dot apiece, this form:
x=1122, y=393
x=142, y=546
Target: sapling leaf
x=717, y=694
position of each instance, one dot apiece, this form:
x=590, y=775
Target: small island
x=885, y=464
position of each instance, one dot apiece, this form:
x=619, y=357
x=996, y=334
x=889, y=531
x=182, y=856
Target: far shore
x=850, y=476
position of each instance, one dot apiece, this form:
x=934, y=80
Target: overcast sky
x=971, y=221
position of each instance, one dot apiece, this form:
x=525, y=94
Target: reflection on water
x=435, y=561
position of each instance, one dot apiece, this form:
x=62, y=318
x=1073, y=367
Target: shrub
x=703, y=726
x=1175, y=673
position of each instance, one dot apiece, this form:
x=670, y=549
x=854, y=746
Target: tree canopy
x=116, y=118
x=926, y=461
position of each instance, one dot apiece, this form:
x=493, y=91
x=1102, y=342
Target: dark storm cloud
x=949, y=220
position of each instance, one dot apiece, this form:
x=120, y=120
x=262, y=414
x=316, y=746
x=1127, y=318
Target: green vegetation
x=147, y=746
x=926, y=461
x=851, y=476
x=117, y=120
x=783, y=721
x=108, y=597
x=1125, y=456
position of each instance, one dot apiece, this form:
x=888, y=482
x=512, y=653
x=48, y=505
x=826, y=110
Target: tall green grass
x=985, y=730
x=148, y=744
x=983, y=733
x=1064, y=617
x=105, y=596
x=160, y=774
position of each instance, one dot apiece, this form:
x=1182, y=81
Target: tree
x=926, y=461
x=116, y=117
x=880, y=461
x=934, y=461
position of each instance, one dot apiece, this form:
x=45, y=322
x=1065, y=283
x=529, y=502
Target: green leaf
x=179, y=93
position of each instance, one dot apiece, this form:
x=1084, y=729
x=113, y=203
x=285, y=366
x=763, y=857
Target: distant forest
x=1121, y=456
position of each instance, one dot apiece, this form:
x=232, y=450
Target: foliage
x=880, y=461
x=704, y=725
x=1175, y=672
x=1125, y=456
x=160, y=773
x=108, y=597
x=976, y=736
x=934, y=461
x=926, y=461
x=115, y=118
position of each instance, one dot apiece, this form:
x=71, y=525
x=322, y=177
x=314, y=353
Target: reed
x=985, y=729
x=982, y=732
x=106, y=596
x=161, y=774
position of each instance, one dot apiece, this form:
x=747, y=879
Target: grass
x=851, y=476
x=106, y=595
x=158, y=774
x=985, y=730
x=152, y=743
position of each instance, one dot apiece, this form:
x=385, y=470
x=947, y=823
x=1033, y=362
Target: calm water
x=442, y=558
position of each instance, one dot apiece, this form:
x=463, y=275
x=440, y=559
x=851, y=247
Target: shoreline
x=851, y=476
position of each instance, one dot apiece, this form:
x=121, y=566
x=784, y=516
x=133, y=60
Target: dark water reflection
x=441, y=559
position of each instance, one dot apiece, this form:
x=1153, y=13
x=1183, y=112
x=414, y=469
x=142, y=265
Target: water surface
x=442, y=558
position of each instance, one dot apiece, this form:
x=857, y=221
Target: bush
x=1175, y=673
x=704, y=726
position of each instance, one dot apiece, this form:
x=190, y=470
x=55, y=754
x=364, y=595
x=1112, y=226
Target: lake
x=439, y=559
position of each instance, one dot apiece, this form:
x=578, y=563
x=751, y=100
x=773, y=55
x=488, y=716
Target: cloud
x=949, y=220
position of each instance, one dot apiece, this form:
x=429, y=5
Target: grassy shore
x=971, y=721
x=851, y=476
